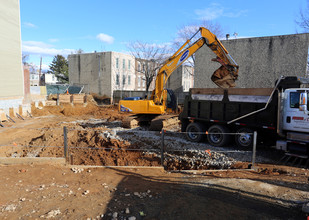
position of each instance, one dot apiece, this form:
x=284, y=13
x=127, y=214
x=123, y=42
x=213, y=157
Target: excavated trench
x=103, y=143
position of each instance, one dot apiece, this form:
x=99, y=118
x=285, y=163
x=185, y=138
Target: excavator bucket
x=224, y=78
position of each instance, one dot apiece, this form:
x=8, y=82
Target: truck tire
x=244, y=138
x=218, y=136
x=191, y=132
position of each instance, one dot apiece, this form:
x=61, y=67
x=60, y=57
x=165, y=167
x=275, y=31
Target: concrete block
x=12, y=112
x=25, y=108
x=2, y=115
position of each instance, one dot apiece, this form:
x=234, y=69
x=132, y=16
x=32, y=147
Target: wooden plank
x=64, y=98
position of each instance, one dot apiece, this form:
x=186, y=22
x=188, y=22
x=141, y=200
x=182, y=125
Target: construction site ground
x=198, y=183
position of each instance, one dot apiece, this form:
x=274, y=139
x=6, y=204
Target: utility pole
x=40, y=72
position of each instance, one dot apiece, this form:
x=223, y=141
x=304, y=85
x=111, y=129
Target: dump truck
x=279, y=115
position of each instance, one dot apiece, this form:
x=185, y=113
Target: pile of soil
x=109, y=112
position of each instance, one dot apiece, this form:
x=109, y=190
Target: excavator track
x=163, y=122
x=154, y=122
x=139, y=120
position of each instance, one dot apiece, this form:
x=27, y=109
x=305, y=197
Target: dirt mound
x=86, y=147
x=109, y=112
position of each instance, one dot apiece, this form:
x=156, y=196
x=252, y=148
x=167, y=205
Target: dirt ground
x=61, y=192
x=80, y=192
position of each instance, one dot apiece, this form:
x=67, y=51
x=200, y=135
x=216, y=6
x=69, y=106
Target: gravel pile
x=197, y=160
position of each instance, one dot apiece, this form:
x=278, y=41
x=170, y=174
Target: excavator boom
x=224, y=77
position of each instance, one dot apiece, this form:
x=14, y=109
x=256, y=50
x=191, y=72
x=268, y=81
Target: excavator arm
x=224, y=77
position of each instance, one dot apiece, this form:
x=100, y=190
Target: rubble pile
x=197, y=160
x=106, y=143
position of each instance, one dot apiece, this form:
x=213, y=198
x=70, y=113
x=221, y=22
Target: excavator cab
x=171, y=103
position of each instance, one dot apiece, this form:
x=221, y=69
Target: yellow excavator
x=163, y=100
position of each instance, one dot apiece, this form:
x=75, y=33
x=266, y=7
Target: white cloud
x=45, y=67
x=29, y=25
x=53, y=40
x=216, y=10
x=41, y=48
x=211, y=13
x=105, y=38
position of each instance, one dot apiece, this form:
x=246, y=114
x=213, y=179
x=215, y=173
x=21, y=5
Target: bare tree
x=149, y=58
x=79, y=51
x=303, y=22
x=303, y=19
x=25, y=58
x=185, y=32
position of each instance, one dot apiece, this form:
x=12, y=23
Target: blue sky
x=51, y=27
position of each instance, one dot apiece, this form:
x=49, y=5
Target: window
x=117, y=62
x=117, y=80
x=123, y=64
x=129, y=78
x=294, y=100
x=129, y=64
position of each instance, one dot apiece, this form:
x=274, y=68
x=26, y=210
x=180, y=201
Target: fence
x=109, y=154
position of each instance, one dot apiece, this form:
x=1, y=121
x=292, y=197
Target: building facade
x=11, y=74
x=103, y=72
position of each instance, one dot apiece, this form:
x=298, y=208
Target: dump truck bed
x=226, y=105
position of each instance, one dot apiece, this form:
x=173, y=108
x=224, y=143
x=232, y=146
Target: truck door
x=293, y=118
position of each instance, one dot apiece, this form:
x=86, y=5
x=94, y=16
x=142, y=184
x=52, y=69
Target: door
x=293, y=118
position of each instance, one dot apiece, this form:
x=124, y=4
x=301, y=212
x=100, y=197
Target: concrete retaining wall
x=261, y=60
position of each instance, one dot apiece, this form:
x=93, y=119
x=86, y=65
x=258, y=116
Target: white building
x=123, y=71
x=11, y=74
x=34, y=79
x=50, y=78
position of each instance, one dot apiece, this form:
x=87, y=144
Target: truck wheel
x=244, y=137
x=194, y=132
x=217, y=135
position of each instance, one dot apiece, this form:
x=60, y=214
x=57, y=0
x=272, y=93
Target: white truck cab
x=295, y=116
x=294, y=121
